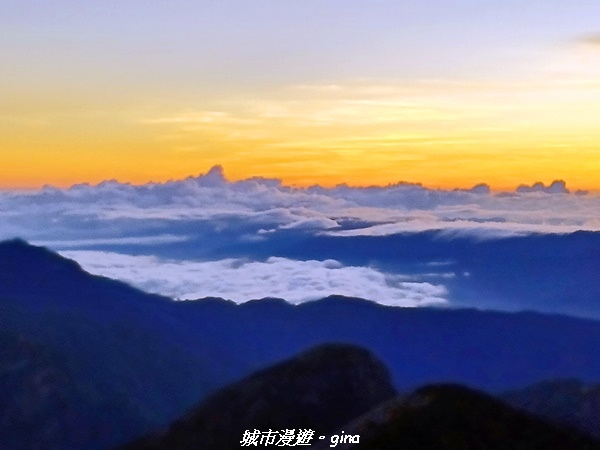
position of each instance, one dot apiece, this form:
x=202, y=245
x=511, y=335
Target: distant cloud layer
x=112, y=210
x=201, y=236
x=240, y=281
x=556, y=187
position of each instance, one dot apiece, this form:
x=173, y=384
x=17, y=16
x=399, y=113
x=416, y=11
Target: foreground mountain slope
x=569, y=402
x=339, y=391
x=319, y=390
x=43, y=407
x=442, y=417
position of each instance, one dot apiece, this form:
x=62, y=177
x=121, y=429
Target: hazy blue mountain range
x=545, y=272
x=554, y=273
x=154, y=358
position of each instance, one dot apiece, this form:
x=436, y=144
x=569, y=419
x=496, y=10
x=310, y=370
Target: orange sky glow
x=83, y=105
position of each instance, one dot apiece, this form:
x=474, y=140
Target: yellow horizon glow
x=439, y=133
x=344, y=92
x=441, y=173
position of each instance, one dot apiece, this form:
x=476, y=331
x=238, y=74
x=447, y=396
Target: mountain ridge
x=112, y=336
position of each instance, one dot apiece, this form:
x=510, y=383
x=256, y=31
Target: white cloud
x=485, y=230
x=556, y=187
x=241, y=280
x=191, y=218
x=313, y=223
x=113, y=210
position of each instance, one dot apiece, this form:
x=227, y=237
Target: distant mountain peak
x=41, y=275
x=19, y=255
x=14, y=241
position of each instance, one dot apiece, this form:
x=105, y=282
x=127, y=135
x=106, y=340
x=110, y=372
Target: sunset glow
x=354, y=93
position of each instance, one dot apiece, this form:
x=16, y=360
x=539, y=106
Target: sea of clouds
x=116, y=229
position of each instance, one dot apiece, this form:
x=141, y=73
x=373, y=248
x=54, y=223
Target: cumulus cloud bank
x=556, y=187
x=209, y=231
x=114, y=210
x=240, y=281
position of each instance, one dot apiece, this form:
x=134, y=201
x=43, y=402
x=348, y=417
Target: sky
x=444, y=93
x=383, y=149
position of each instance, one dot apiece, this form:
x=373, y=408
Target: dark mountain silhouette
x=157, y=358
x=320, y=390
x=339, y=391
x=446, y=416
x=569, y=402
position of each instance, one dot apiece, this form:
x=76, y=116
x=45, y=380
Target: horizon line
x=218, y=168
